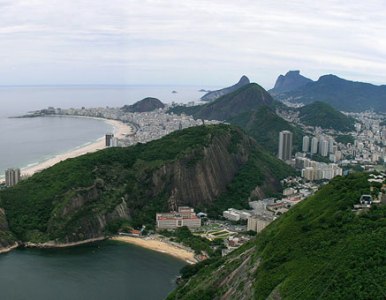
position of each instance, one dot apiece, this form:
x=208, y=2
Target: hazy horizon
x=188, y=43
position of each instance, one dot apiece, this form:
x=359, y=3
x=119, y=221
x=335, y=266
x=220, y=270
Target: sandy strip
x=8, y=249
x=120, y=130
x=159, y=246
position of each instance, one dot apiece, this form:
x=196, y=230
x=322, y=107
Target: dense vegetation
x=345, y=139
x=71, y=197
x=264, y=125
x=251, y=108
x=320, y=249
x=199, y=244
x=323, y=115
x=341, y=94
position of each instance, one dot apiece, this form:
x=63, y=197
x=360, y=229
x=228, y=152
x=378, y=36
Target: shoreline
x=53, y=245
x=159, y=246
x=120, y=130
x=9, y=248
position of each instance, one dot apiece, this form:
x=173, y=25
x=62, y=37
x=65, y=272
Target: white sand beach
x=120, y=131
x=158, y=245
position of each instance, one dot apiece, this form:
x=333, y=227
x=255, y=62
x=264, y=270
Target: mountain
x=211, y=96
x=264, y=125
x=289, y=82
x=145, y=105
x=207, y=167
x=320, y=249
x=343, y=95
x=323, y=115
x=244, y=99
x=251, y=108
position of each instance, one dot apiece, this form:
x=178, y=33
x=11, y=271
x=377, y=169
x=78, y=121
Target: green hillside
x=83, y=197
x=250, y=96
x=323, y=115
x=252, y=109
x=320, y=249
x=264, y=125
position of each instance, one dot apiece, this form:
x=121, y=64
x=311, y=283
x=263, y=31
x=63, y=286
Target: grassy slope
x=319, y=250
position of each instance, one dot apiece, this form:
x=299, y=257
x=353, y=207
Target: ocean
x=25, y=142
x=105, y=270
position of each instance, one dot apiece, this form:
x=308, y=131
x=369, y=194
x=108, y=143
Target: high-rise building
x=285, y=145
x=314, y=145
x=12, y=177
x=306, y=144
x=323, y=147
x=109, y=139
x=331, y=145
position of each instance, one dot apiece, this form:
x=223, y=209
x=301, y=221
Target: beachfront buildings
x=185, y=216
x=12, y=177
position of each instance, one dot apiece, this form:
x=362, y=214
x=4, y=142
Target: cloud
x=190, y=41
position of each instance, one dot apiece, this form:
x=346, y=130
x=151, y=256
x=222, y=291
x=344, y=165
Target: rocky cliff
x=83, y=198
x=289, y=82
x=6, y=237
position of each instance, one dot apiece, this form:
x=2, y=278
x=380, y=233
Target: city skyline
x=209, y=43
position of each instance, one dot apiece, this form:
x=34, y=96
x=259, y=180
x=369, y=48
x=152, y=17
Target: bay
x=105, y=270
x=29, y=141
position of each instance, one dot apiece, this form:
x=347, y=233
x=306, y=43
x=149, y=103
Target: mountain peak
x=211, y=96
x=292, y=80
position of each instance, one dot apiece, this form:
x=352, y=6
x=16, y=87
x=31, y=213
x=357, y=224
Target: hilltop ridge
x=213, y=95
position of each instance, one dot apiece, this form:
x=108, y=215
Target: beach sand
x=159, y=246
x=120, y=130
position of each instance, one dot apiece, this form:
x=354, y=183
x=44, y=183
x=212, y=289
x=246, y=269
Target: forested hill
x=210, y=168
x=324, y=115
x=320, y=249
x=251, y=108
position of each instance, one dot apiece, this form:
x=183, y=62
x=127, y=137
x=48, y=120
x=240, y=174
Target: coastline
x=9, y=248
x=159, y=246
x=51, y=244
x=120, y=130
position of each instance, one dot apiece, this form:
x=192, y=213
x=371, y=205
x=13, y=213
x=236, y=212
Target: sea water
x=105, y=270
x=28, y=141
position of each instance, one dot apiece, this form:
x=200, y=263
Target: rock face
x=6, y=238
x=211, y=96
x=290, y=81
x=145, y=105
x=192, y=181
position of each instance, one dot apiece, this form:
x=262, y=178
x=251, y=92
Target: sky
x=196, y=42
